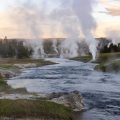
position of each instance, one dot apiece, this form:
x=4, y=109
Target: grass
x=3, y=85
x=85, y=59
x=38, y=108
x=101, y=58
x=7, y=66
x=34, y=109
x=106, y=57
x=9, y=63
x=107, y=62
x=113, y=66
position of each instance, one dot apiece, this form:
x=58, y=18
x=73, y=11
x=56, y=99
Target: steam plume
x=76, y=15
x=27, y=15
x=54, y=45
x=114, y=35
x=69, y=46
x=72, y=16
x=83, y=10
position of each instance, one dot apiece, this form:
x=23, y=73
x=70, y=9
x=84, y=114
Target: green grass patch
x=23, y=61
x=107, y=62
x=113, y=66
x=107, y=57
x=7, y=66
x=3, y=85
x=34, y=109
x=8, y=63
x=100, y=67
x=85, y=59
x=101, y=58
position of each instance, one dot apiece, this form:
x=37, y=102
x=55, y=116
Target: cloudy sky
x=105, y=12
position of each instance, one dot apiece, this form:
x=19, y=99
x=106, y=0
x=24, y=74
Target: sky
x=105, y=12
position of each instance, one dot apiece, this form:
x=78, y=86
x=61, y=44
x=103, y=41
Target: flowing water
x=101, y=91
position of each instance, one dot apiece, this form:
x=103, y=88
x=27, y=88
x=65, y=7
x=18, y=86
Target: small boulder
x=6, y=74
x=28, y=65
x=73, y=100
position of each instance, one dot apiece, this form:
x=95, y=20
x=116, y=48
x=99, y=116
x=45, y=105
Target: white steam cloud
x=54, y=45
x=26, y=15
x=83, y=10
x=114, y=36
x=73, y=16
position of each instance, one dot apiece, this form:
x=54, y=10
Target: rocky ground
x=73, y=100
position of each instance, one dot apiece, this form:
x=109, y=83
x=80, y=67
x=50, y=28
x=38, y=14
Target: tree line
x=13, y=48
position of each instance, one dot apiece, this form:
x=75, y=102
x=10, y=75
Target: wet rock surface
x=73, y=100
x=7, y=74
x=28, y=65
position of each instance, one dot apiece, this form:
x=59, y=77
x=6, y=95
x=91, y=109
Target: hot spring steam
x=83, y=10
x=74, y=19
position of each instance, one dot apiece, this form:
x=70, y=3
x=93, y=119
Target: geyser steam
x=65, y=17
x=37, y=46
x=69, y=46
x=27, y=15
x=74, y=16
x=54, y=45
x=83, y=10
x=114, y=35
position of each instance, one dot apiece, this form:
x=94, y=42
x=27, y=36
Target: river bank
x=100, y=90
x=105, y=62
x=57, y=106
x=100, y=102
x=10, y=68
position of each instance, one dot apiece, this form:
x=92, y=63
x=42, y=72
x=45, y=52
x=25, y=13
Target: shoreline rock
x=7, y=74
x=23, y=66
x=73, y=100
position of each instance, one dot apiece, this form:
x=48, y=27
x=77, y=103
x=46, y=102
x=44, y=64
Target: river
x=101, y=91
